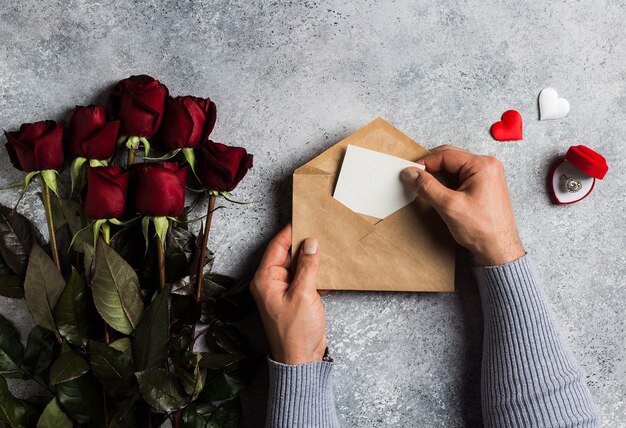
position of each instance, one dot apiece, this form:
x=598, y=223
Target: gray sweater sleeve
x=529, y=376
x=301, y=396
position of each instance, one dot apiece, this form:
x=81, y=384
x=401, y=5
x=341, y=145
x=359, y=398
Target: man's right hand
x=479, y=212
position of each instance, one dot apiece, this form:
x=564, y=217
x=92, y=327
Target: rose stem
x=131, y=157
x=161, y=256
x=45, y=193
x=205, y=240
x=106, y=235
x=105, y=231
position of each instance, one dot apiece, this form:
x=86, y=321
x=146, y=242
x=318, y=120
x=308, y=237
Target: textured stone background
x=292, y=78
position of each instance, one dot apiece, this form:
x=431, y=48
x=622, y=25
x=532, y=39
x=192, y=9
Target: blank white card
x=369, y=182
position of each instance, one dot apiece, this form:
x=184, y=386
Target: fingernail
x=310, y=246
x=409, y=174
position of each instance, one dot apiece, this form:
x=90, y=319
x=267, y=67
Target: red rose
x=139, y=102
x=188, y=121
x=90, y=136
x=159, y=188
x=36, y=146
x=107, y=187
x=221, y=167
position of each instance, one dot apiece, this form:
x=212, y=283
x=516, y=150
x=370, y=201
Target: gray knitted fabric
x=301, y=396
x=529, y=376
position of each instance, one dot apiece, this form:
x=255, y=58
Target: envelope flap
x=419, y=232
x=306, y=169
x=378, y=135
x=409, y=250
x=316, y=213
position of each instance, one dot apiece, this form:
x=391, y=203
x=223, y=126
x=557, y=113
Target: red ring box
x=579, y=163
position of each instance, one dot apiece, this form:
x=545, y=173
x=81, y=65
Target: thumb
x=427, y=187
x=307, y=267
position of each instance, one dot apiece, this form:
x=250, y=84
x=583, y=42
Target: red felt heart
x=509, y=128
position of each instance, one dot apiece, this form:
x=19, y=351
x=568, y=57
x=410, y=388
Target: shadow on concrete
x=471, y=311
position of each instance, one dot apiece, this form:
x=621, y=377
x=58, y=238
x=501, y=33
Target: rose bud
x=159, y=188
x=188, y=121
x=220, y=167
x=107, y=187
x=139, y=102
x=90, y=136
x=36, y=146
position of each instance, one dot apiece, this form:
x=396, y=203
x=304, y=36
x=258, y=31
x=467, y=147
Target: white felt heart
x=551, y=106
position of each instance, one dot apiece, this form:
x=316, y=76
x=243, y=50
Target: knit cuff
x=301, y=395
x=507, y=284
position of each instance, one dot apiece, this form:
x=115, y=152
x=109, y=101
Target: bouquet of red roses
x=120, y=288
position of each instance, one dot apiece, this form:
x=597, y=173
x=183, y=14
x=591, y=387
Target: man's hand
x=479, y=212
x=291, y=307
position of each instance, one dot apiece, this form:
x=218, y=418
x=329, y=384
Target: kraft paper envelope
x=410, y=250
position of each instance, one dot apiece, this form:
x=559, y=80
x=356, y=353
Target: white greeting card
x=369, y=182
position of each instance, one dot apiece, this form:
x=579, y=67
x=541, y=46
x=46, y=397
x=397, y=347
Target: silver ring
x=572, y=184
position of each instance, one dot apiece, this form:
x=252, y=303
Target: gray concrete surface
x=292, y=78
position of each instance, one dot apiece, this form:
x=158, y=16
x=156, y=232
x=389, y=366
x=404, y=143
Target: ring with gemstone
x=572, y=184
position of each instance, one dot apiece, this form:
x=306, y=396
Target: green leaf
x=185, y=309
x=180, y=252
x=17, y=236
x=125, y=414
x=97, y=226
x=39, y=351
x=113, y=369
x=88, y=262
x=4, y=269
x=222, y=385
x=145, y=228
x=71, y=311
x=34, y=408
x=161, y=224
x=146, y=145
x=11, y=349
x=196, y=415
x=81, y=400
x=11, y=286
x=210, y=288
x=77, y=166
x=186, y=285
x=218, y=281
x=42, y=287
x=161, y=390
x=70, y=212
x=227, y=415
x=128, y=244
x=115, y=288
x=67, y=367
x=151, y=336
x=218, y=361
x=229, y=339
x=29, y=177
x=49, y=176
x=124, y=346
x=66, y=255
x=54, y=417
x=190, y=156
x=11, y=410
x=192, y=382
